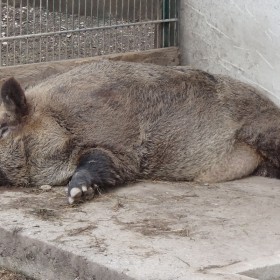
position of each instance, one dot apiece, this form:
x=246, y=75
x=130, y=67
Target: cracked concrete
x=144, y=231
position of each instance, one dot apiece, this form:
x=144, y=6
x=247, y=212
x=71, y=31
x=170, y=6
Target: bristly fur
x=118, y=122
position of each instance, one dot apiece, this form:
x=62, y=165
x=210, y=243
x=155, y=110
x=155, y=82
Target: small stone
x=46, y=188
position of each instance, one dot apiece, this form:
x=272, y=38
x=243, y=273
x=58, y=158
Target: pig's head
x=13, y=106
x=13, y=110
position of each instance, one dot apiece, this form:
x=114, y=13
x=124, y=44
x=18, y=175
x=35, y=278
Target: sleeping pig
x=109, y=123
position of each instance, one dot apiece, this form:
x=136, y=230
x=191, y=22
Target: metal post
x=165, y=25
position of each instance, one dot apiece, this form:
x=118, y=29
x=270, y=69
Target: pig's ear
x=13, y=98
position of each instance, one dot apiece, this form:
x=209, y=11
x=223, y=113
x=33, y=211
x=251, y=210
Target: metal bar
x=33, y=30
x=79, y=21
x=152, y=10
x=40, y=30
x=165, y=26
x=7, y=30
x=1, y=32
x=73, y=27
x=59, y=37
x=66, y=26
x=47, y=29
x=176, y=26
x=97, y=33
x=14, y=33
x=169, y=25
x=158, y=30
x=55, y=32
x=85, y=43
x=146, y=33
x=110, y=23
x=134, y=21
x=116, y=30
x=88, y=29
x=27, y=30
x=7, y=19
x=122, y=30
x=127, y=19
x=103, y=45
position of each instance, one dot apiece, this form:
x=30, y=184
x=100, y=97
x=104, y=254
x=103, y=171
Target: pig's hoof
x=79, y=193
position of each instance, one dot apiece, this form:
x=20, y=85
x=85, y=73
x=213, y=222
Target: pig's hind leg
x=100, y=168
x=240, y=162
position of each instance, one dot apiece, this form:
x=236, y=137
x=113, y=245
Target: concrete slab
x=145, y=231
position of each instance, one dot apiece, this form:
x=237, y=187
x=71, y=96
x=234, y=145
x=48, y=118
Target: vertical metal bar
x=7, y=20
x=176, y=28
x=85, y=42
x=97, y=33
x=140, y=10
x=47, y=29
x=116, y=29
x=97, y=12
x=103, y=43
x=169, y=25
x=66, y=14
x=1, y=32
x=153, y=27
x=73, y=26
x=128, y=19
x=33, y=51
x=147, y=28
x=122, y=30
x=110, y=23
x=14, y=32
x=79, y=20
x=152, y=10
x=90, y=53
x=134, y=20
x=141, y=26
x=20, y=31
x=40, y=30
x=165, y=26
x=27, y=31
x=54, y=24
x=7, y=35
x=59, y=36
x=66, y=26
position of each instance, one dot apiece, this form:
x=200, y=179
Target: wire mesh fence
x=34, y=31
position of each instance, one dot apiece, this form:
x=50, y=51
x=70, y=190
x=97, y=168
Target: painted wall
x=236, y=37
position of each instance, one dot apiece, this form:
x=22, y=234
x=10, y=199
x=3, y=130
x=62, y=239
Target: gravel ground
x=8, y=275
x=29, y=20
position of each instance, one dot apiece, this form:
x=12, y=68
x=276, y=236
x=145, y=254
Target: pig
x=110, y=123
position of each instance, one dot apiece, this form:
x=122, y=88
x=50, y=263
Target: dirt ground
x=8, y=275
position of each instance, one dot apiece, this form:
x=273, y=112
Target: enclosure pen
x=34, y=31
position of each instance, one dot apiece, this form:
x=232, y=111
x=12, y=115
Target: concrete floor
x=145, y=231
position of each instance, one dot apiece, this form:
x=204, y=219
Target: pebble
x=46, y=188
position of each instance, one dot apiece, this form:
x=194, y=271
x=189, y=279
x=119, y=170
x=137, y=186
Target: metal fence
x=34, y=31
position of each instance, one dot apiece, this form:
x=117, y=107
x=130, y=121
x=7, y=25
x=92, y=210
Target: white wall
x=236, y=37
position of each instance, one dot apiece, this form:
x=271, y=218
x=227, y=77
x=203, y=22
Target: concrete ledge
x=43, y=260
x=144, y=231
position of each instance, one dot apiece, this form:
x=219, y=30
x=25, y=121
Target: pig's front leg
x=100, y=168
